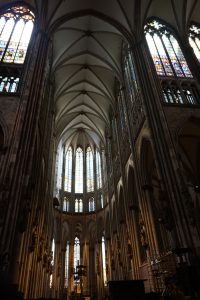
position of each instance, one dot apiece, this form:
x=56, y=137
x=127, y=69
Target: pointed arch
x=89, y=170
x=194, y=39
x=68, y=170
x=98, y=168
x=165, y=50
x=79, y=171
x=16, y=26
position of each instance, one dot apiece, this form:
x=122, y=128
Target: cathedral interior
x=99, y=149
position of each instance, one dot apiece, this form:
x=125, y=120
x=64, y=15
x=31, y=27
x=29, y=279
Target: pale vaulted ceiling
x=87, y=42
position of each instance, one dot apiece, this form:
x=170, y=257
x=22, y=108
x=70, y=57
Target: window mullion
x=8, y=42
x=19, y=40
x=167, y=54
x=5, y=49
x=177, y=57
x=152, y=35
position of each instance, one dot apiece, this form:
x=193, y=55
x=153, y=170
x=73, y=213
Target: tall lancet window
x=68, y=171
x=52, y=262
x=59, y=166
x=104, y=260
x=89, y=170
x=167, y=55
x=76, y=252
x=79, y=205
x=79, y=171
x=194, y=39
x=16, y=25
x=98, y=168
x=130, y=75
x=91, y=204
x=66, y=266
x=65, y=204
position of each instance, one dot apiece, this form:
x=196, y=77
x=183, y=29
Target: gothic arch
x=129, y=36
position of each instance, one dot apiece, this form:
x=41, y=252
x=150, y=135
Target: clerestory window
x=68, y=171
x=16, y=26
x=76, y=252
x=79, y=171
x=194, y=39
x=98, y=168
x=165, y=50
x=91, y=204
x=89, y=170
x=79, y=205
x=65, y=204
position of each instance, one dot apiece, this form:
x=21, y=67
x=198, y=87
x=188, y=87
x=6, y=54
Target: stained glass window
x=130, y=75
x=68, y=171
x=194, y=39
x=66, y=266
x=98, y=168
x=101, y=200
x=175, y=95
x=52, y=261
x=76, y=252
x=59, y=164
x=122, y=120
x=89, y=170
x=65, y=204
x=79, y=171
x=91, y=204
x=104, y=260
x=79, y=205
x=16, y=26
x=9, y=84
x=167, y=55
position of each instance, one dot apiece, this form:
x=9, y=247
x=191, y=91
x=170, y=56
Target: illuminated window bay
x=78, y=177
x=79, y=171
x=68, y=170
x=90, y=170
x=194, y=39
x=16, y=27
x=166, y=53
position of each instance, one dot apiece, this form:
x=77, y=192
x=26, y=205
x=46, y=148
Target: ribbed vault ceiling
x=87, y=39
x=86, y=61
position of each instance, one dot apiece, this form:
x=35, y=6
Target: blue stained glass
x=179, y=54
x=16, y=27
x=165, y=51
x=154, y=54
